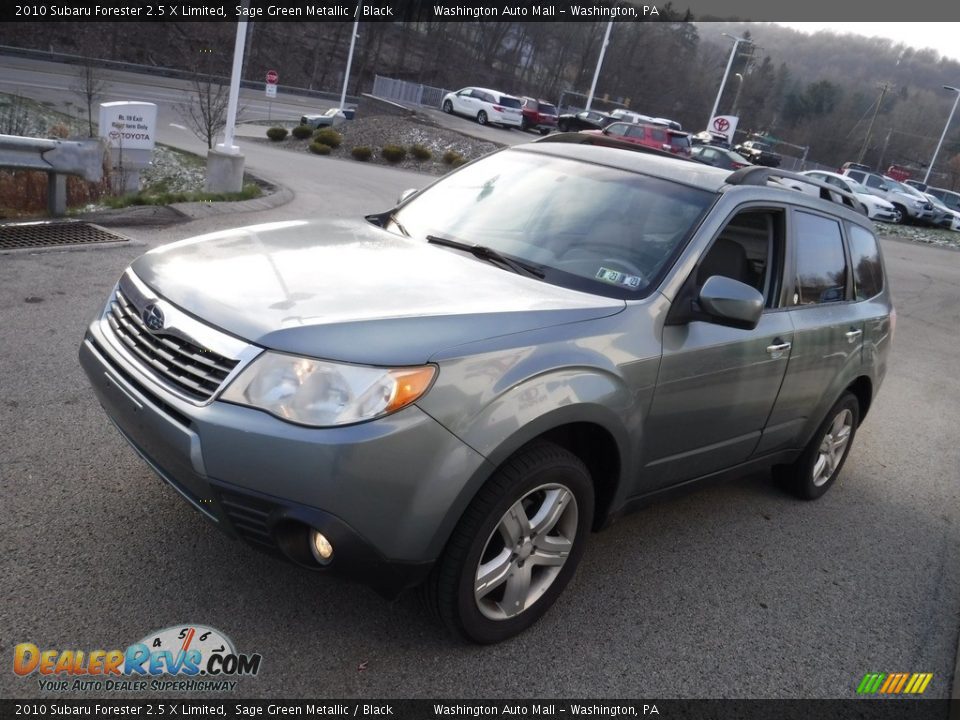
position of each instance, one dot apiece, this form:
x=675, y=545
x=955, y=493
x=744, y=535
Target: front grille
x=249, y=518
x=196, y=371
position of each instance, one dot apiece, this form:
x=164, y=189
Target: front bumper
x=380, y=491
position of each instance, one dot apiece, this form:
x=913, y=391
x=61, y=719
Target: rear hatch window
x=547, y=109
x=679, y=141
x=510, y=102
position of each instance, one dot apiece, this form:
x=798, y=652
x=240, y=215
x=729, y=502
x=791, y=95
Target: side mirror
x=405, y=194
x=730, y=302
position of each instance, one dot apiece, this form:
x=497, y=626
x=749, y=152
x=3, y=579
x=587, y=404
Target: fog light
x=320, y=547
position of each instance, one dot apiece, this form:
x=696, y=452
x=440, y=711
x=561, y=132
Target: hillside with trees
x=820, y=91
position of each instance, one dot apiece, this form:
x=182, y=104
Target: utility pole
x=883, y=153
x=596, y=73
x=866, y=141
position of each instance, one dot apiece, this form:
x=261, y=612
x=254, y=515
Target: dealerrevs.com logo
x=188, y=658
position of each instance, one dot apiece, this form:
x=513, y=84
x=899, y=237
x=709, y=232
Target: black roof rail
x=760, y=175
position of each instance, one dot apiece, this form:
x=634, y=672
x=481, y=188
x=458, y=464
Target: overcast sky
x=942, y=37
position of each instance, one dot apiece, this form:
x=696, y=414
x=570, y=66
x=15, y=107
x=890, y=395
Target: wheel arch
x=591, y=432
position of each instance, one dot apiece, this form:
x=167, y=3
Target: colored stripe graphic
x=894, y=683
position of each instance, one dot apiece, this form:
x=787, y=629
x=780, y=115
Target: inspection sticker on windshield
x=615, y=277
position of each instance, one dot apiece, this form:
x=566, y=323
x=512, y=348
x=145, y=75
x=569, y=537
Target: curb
x=198, y=210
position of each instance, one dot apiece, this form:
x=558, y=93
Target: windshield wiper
x=487, y=253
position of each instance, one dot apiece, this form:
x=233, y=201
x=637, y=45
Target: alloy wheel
x=832, y=447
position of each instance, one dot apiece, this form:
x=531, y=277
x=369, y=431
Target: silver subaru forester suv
x=454, y=393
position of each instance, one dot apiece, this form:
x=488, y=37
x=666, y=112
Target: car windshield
x=585, y=226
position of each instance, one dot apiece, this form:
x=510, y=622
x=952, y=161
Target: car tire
x=563, y=127
x=818, y=467
x=482, y=117
x=448, y=107
x=524, y=124
x=897, y=216
x=529, y=562
x=904, y=215
x=544, y=131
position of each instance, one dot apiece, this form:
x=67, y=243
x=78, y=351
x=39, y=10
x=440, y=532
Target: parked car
x=921, y=186
x=653, y=136
x=759, y=153
x=584, y=120
x=330, y=118
x=711, y=137
x=949, y=219
x=485, y=106
x=911, y=208
x=719, y=157
x=538, y=115
x=854, y=166
x=629, y=116
x=938, y=215
x=453, y=393
x=947, y=197
x=877, y=208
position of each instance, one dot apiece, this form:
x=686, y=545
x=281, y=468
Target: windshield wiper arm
x=487, y=253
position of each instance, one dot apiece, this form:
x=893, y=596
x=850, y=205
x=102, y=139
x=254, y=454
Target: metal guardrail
x=57, y=158
x=69, y=59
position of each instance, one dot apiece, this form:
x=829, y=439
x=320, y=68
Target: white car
x=877, y=208
x=485, y=105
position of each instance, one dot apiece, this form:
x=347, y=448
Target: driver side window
x=748, y=249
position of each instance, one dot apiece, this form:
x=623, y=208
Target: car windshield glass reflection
x=586, y=226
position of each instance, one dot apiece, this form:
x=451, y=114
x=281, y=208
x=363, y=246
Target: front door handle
x=778, y=348
x=853, y=335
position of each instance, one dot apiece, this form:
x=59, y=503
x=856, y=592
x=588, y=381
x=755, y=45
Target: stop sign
x=272, y=77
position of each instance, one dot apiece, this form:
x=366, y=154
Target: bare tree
x=206, y=112
x=13, y=115
x=91, y=88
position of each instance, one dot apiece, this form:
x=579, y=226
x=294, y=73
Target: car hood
x=354, y=292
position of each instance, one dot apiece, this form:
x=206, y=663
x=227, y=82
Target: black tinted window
x=547, y=109
x=865, y=258
x=510, y=102
x=821, y=265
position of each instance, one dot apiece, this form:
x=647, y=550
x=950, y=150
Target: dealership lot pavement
x=734, y=590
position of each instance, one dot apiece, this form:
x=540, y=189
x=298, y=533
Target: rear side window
x=821, y=265
x=865, y=258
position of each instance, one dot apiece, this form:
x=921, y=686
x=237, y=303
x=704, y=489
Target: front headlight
x=324, y=394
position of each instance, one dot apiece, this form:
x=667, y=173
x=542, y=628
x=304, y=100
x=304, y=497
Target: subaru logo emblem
x=153, y=317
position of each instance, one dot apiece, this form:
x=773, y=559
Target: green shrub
x=328, y=136
x=393, y=153
x=451, y=156
x=302, y=132
x=361, y=153
x=319, y=148
x=420, y=152
x=277, y=133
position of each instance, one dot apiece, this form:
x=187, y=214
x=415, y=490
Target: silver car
x=454, y=393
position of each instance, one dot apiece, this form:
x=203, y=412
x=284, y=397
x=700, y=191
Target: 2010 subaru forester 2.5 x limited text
x=454, y=393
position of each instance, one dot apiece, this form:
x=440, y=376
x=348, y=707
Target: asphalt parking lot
x=735, y=590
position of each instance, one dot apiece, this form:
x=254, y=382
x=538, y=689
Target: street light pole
x=596, y=73
x=726, y=73
x=736, y=98
x=944, y=133
x=346, y=75
x=227, y=145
